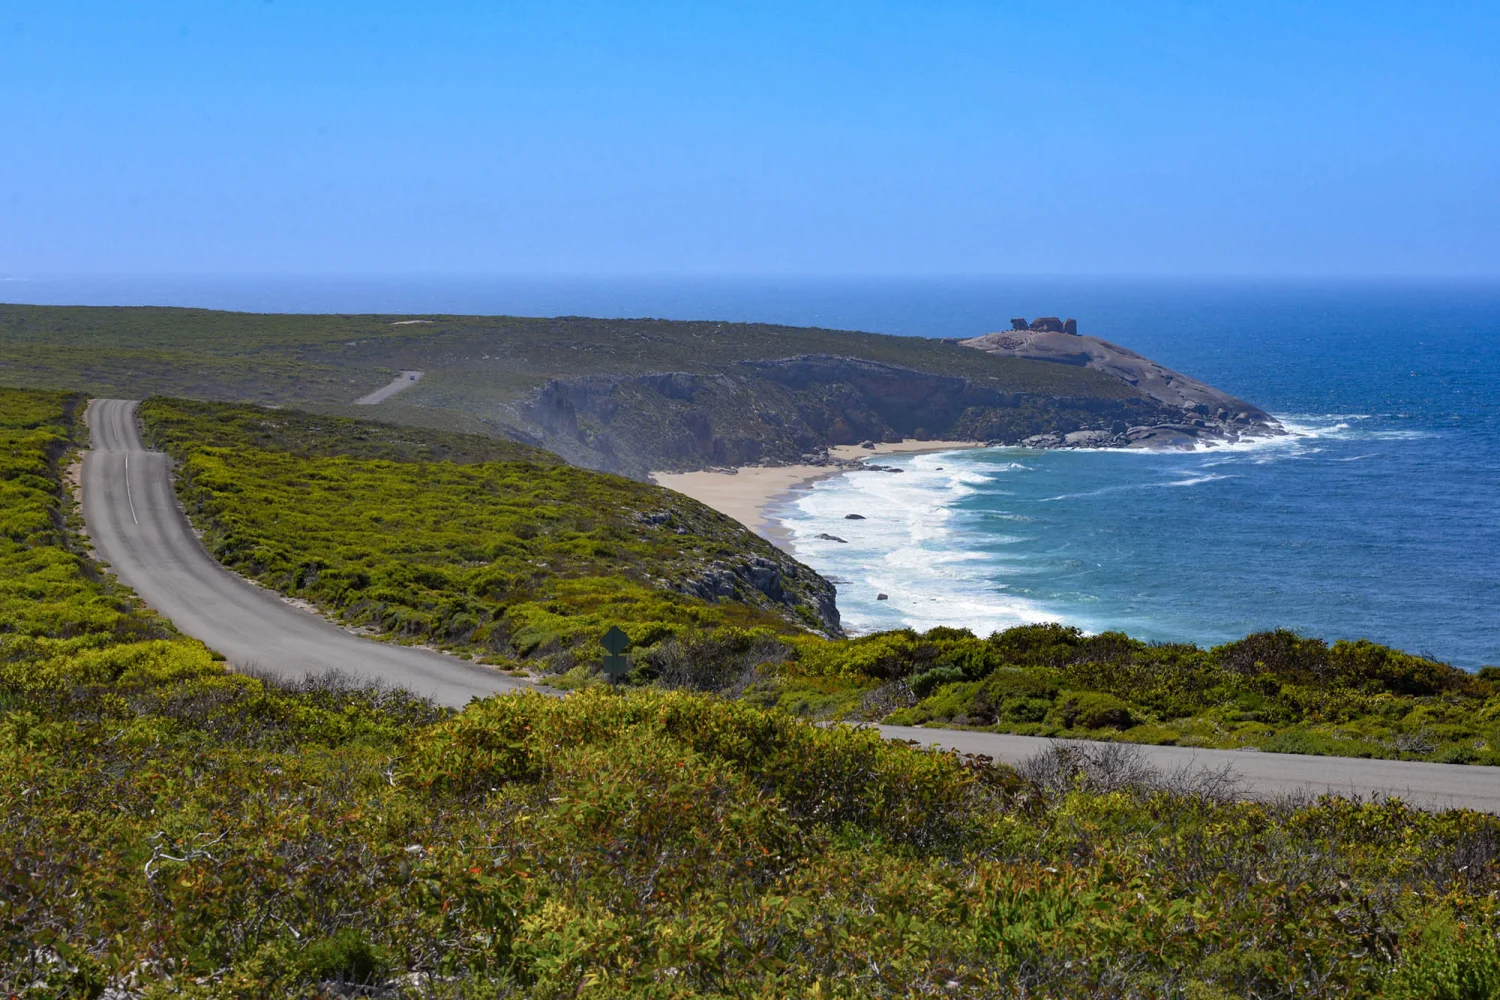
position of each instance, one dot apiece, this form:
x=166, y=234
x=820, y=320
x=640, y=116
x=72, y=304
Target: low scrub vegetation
x=169, y=828
x=182, y=424
x=509, y=560
x=1275, y=691
x=528, y=564
x=501, y=375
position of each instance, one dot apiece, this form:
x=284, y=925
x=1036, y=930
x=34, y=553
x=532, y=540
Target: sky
x=805, y=138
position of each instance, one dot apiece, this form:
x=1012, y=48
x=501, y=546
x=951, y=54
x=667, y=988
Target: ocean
x=1377, y=517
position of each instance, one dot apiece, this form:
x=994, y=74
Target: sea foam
x=934, y=561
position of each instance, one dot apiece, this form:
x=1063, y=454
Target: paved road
x=133, y=519
x=137, y=528
x=403, y=381
x=1265, y=775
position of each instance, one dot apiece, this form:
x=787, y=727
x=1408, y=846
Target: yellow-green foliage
x=1274, y=690
x=181, y=424
x=508, y=558
x=52, y=603
x=515, y=560
x=170, y=829
x=251, y=841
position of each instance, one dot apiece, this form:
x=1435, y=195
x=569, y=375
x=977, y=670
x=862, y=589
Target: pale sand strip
x=747, y=494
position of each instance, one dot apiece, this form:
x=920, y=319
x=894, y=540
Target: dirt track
x=136, y=527
x=403, y=381
x=1265, y=775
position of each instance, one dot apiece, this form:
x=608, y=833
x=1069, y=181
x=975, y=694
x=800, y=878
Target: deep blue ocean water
x=1379, y=517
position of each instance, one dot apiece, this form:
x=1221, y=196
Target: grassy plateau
x=625, y=395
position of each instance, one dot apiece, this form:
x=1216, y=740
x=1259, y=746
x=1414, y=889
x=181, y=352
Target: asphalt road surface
x=136, y=527
x=1264, y=775
x=403, y=381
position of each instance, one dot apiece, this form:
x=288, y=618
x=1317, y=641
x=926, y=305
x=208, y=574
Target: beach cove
x=750, y=493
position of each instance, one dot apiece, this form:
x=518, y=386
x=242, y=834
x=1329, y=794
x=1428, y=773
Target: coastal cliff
x=790, y=410
x=1206, y=413
x=633, y=396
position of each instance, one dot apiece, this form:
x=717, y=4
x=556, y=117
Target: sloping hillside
x=625, y=396
x=497, y=549
x=169, y=828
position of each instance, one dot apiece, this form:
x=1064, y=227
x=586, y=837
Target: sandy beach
x=749, y=491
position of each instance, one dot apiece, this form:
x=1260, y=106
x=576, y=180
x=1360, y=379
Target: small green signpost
x=615, y=642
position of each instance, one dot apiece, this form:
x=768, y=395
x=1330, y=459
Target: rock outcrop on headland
x=1044, y=324
x=1208, y=413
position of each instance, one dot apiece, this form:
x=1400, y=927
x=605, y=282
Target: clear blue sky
x=294, y=136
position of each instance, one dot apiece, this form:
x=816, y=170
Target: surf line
x=128, y=498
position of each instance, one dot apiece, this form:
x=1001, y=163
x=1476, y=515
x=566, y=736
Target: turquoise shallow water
x=1380, y=518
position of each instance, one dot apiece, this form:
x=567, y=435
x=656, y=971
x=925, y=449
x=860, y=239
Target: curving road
x=1264, y=775
x=136, y=526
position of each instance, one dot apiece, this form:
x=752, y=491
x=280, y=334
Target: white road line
x=128, y=498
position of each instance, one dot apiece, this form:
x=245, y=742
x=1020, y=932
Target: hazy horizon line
x=1464, y=277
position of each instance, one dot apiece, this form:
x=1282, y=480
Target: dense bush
x=504, y=558
x=523, y=563
x=1274, y=690
x=168, y=829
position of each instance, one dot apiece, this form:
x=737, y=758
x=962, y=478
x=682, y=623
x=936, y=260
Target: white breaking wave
x=912, y=545
x=923, y=536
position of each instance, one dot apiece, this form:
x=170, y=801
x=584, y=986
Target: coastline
x=748, y=493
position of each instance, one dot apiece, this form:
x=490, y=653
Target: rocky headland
x=792, y=410
x=1207, y=415
x=635, y=396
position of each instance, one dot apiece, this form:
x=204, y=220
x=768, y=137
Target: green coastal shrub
x=168, y=828
x=491, y=550
x=346, y=958
x=1093, y=710
x=1462, y=964
x=924, y=683
x=472, y=545
x=1347, y=699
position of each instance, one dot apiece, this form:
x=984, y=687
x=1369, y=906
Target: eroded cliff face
x=792, y=409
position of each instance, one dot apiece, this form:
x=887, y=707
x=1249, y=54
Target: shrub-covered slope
x=185, y=423
x=519, y=562
x=168, y=829
x=504, y=558
x=53, y=603
x=1273, y=691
